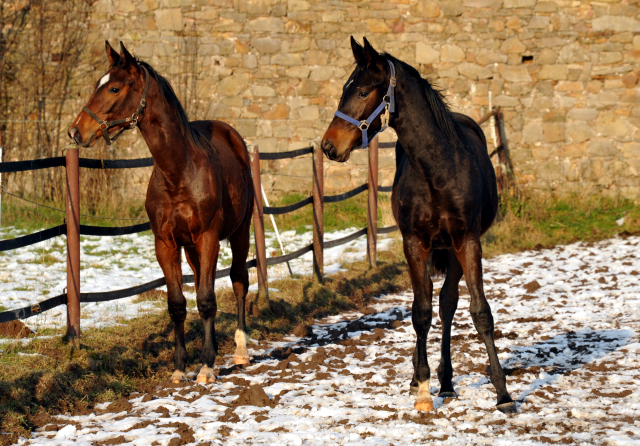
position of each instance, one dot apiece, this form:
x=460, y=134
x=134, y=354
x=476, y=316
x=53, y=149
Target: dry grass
x=113, y=362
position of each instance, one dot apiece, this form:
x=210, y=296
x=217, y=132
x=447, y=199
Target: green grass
x=345, y=214
x=541, y=222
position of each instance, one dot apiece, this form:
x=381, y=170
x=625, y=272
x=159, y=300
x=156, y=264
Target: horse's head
x=116, y=103
x=363, y=93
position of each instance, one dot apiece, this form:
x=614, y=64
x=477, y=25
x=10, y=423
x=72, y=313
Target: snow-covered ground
x=567, y=323
x=31, y=274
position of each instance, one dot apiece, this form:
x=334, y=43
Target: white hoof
x=179, y=377
x=206, y=375
x=241, y=355
x=424, y=402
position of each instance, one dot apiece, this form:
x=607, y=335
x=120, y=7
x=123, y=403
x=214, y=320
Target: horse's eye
x=114, y=90
x=363, y=94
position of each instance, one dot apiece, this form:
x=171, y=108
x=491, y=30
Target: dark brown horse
x=444, y=198
x=200, y=192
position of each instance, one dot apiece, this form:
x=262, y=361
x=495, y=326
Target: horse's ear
x=128, y=59
x=358, y=52
x=370, y=53
x=112, y=55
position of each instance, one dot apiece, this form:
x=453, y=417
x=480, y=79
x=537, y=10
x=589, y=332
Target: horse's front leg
x=207, y=249
x=421, y=314
x=168, y=255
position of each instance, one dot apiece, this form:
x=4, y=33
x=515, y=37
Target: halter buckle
x=134, y=119
x=105, y=124
x=364, y=125
x=392, y=81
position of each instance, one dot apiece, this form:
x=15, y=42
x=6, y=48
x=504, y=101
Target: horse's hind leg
x=469, y=253
x=240, y=243
x=448, y=306
x=417, y=258
x=207, y=248
x=168, y=255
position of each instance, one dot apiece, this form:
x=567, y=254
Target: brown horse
x=200, y=192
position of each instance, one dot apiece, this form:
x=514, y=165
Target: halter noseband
x=388, y=105
x=133, y=119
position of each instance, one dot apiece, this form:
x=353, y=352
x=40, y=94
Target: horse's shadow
x=560, y=355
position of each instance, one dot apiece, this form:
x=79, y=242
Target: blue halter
x=387, y=104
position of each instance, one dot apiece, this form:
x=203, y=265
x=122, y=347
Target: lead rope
x=388, y=104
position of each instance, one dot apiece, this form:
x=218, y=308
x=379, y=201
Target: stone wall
x=565, y=73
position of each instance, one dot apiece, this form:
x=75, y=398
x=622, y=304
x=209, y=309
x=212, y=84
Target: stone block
x=513, y=45
x=553, y=132
x=452, y=8
x=503, y=100
x=486, y=57
x=573, y=150
x=514, y=73
x=266, y=45
x=631, y=150
x=615, y=23
x=609, y=124
x=613, y=84
x=310, y=112
x=583, y=114
x=290, y=59
x=316, y=58
x=539, y=22
x=233, y=85
x=553, y=72
x=609, y=57
x=452, y=53
x=546, y=7
x=298, y=5
x=267, y=24
x=519, y=4
x=493, y=4
x=301, y=72
x=333, y=15
x=546, y=57
x=569, y=86
x=426, y=54
x=169, y=19
x=580, y=131
x=263, y=91
x=280, y=111
x=602, y=148
x=630, y=80
x=246, y=127
x=474, y=71
x=307, y=87
x=425, y=9
x=321, y=73
x=377, y=26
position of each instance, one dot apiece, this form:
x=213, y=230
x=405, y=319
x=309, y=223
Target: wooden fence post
x=318, y=212
x=372, y=213
x=73, y=244
x=258, y=229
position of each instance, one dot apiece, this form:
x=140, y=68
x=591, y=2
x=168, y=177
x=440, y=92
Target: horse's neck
x=165, y=140
x=418, y=132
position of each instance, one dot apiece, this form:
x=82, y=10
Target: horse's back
x=224, y=138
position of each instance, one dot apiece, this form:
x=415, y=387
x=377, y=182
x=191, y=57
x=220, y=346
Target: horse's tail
x=438, y=262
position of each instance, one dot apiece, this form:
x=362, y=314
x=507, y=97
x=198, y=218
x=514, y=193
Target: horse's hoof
x=241, y=359
x=507, y=408
x=447, y=395
x=206, y=376
x=179, y=377
x=424, y=405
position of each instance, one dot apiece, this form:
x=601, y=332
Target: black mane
x=434, y=98
x=169, y=96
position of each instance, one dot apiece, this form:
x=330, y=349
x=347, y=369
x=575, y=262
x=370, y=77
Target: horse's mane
x=434, y=98
x=195, y=138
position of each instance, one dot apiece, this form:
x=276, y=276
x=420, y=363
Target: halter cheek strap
x=388, y=104
x=132, y=120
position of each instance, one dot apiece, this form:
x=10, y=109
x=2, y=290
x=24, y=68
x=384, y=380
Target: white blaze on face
x=104, y=80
